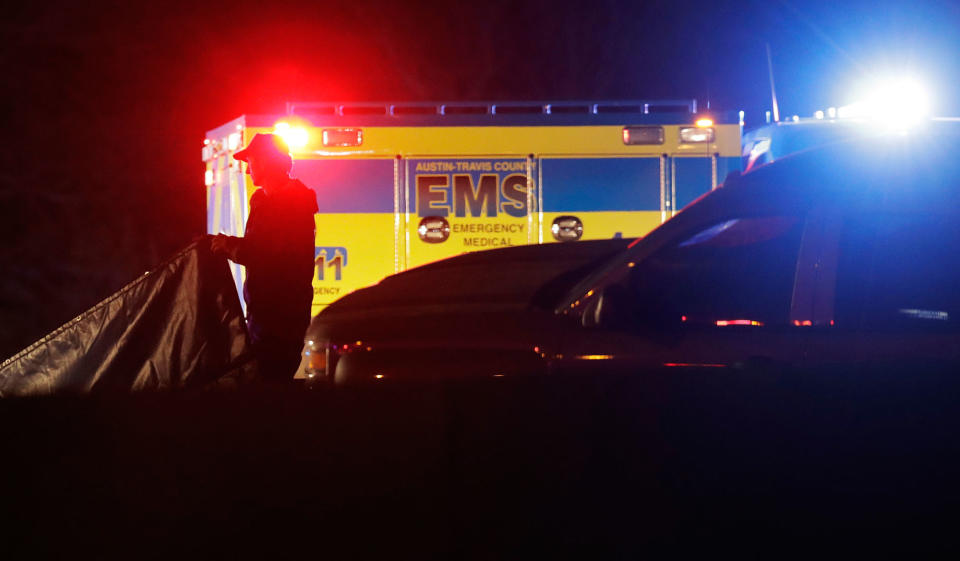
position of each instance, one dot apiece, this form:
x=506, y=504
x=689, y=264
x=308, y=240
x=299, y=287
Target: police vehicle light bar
x=899, y=101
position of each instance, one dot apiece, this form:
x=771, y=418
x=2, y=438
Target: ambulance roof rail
x=399, y=109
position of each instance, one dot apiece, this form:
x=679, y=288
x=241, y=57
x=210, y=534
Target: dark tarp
x=178, y=326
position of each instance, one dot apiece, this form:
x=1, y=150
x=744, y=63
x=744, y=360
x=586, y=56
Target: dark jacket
x=278, y=251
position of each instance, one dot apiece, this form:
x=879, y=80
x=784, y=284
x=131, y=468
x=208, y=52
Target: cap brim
x=242, y=155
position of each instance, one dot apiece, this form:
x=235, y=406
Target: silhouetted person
x=277, y=250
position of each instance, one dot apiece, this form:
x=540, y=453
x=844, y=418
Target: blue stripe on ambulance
x=345, y=186
x=725, y=165
x=692, y=178
x=597, y=184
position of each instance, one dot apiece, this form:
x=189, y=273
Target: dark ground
x=659, y=465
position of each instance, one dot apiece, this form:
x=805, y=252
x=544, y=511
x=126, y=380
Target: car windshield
x=745, y=251
x=737, y=270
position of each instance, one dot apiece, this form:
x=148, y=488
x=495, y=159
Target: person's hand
x=225, y=245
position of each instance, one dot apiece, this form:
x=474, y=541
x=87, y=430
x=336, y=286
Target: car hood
x=520, y=276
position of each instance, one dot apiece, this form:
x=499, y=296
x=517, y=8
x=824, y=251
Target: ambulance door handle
x=434, y=229
x=567, y=229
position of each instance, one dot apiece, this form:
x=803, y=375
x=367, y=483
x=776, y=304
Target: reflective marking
x=217, y=208
x=664, y=204
x=396, y=214
x=713, y=171
x=530, y=187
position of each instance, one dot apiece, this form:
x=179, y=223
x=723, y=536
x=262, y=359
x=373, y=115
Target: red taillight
x=318, y=361
x=642, y=135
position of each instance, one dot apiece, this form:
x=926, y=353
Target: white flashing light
x=295, y=137
x=818, y=115
x=208, y=177
x=695, y=135
x=832, y=112
x=342, y=137
x=233, y=141
x=897, y=102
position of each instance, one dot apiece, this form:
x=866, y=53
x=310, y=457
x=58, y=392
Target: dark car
x=846, y=253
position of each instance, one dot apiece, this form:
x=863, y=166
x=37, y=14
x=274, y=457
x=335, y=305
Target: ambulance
x=400, y=185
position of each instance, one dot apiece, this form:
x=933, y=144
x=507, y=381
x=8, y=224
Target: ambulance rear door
x=699, y=160
x=601, y=197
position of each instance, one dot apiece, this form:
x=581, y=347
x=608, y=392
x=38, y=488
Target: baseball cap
x=263, y=144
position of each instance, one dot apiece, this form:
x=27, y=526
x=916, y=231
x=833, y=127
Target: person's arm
x=277, y=244
x=238, y=249
x=228, y=246
x=269, y=239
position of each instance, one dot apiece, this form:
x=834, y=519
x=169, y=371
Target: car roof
x=893, y=170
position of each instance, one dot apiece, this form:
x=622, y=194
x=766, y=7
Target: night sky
x=106, y=103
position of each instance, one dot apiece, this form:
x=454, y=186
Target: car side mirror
x=613, y=308
x=617, y=309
